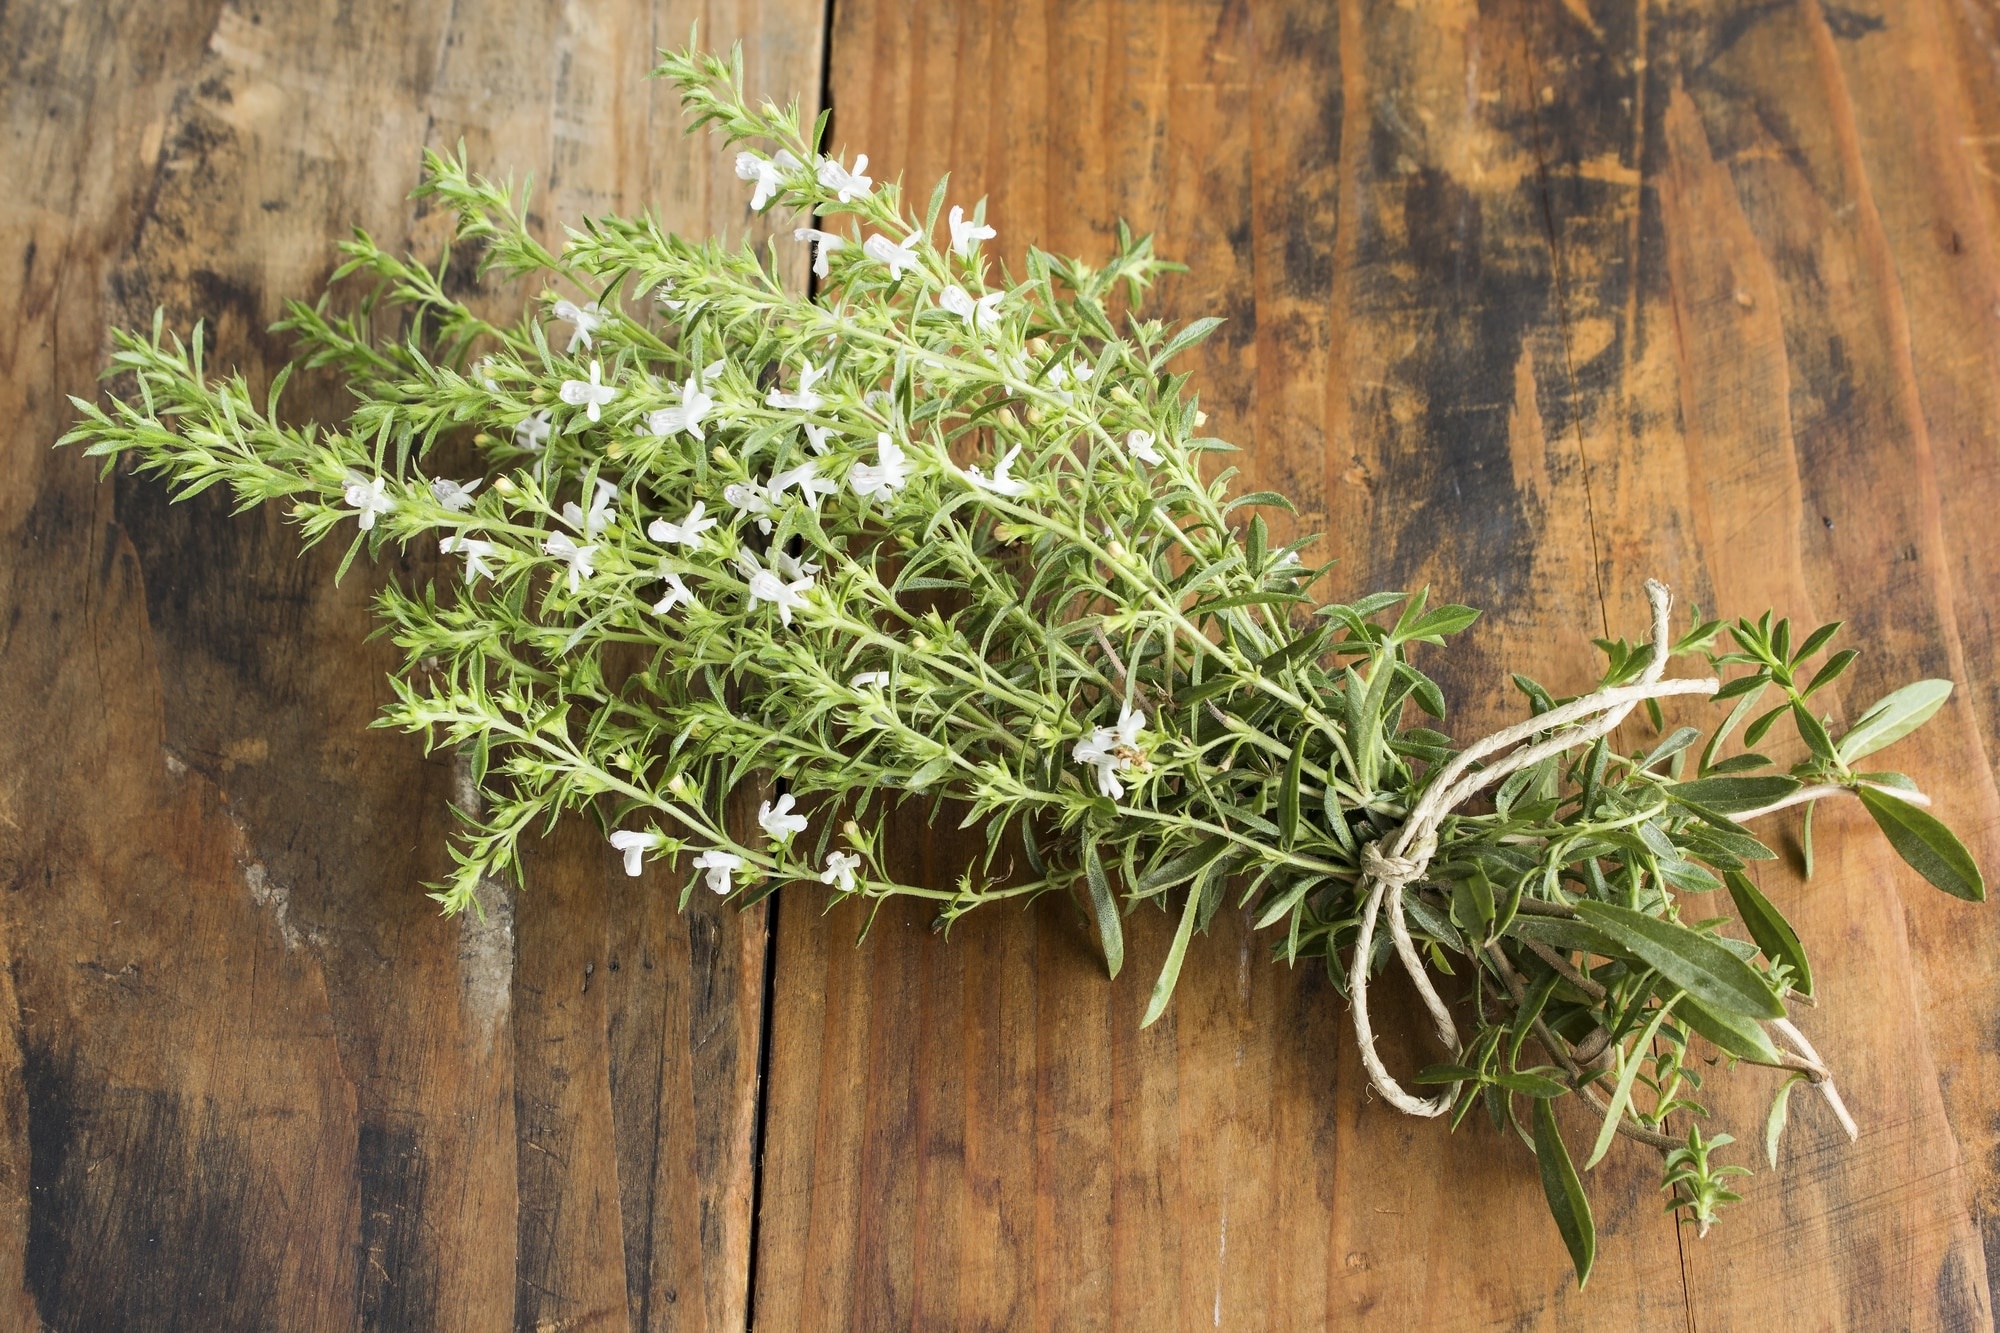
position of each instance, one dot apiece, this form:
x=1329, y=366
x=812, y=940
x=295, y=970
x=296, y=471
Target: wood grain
x=1527, y=299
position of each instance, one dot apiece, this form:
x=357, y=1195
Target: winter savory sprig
x=940, y=533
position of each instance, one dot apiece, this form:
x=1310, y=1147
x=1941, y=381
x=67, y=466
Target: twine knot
x=1394, y=871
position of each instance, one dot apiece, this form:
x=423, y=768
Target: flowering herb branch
x=938, y=532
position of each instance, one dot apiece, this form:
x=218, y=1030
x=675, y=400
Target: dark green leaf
x=1731, y=1033
x=1932, y=850
x=1731, y=795
x=1530, y=1085
x=1757, y=730
x=1564, y=1192
x=1817, y=640
x=1813, y=731
x=1109, y=931
x=1696, y=963
x=1829, y=673
x=1163, y=989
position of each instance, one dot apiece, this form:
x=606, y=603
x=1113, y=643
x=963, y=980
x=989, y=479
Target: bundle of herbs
x=933, y=532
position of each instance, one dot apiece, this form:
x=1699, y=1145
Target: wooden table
x=1526, y=300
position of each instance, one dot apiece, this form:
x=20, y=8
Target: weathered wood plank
x=249, y=1078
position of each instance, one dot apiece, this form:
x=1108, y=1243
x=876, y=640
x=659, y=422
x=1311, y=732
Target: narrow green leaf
x=1187, y=337
x=1767, y=926
x=1731, y=1033
x=1109, y=931
x=1288, y=795
x=1732, y=795
x=1697, y=963
x=1774, y=1125
x=1892, y=717
x=1813, y=731
x=1931, y=849
x=1163, y=989
x=1628, y=1070
x=1530, y=1085
x=1831, y=672
x=1757, y=730
x=1817, y=640
x=1564, y=1192
x=1435, y=625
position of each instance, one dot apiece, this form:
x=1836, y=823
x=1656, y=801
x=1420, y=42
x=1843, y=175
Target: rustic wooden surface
x=1528, y=300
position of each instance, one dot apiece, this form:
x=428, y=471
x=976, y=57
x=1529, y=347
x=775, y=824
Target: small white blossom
x=806, y=477
x=897, y=255
x=751, y=498
x=1139, y=443
x=677, y=594
x=999, y=483
x=453, y=495
x=368, y=497
x=665, y=296
x=778, y=820
x=967, y=235
x=720, y=866
x=687, y=532
x=823, y=243
x=792, y=569
x=768, y=173
x=483, y=369
x=771, y=586
x=805, y=400
x=839, y=872
x=600, y=516
x=635, y=845
x=712, y=369
x=847, y=185
x=1113, y=750
x=865, y=680
x=587, y=318
x=880, y=480
x=561, y=547
x=592, y=395
x=475, y=552
x=688, y=415
x=533, y=433
x=818, y=436
x=982, y=314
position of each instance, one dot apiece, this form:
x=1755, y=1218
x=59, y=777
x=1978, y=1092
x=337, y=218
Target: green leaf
x=1813, y=731
x=1817, y=640
x=1697, y=963
x=1288, y=795
x=1109, y=931
x=1731, y=795
x=1931, y=849
x=1530, y=1085
x=1767, y=926
x=1564, y=1192
x=1757, y=730
x=1893, y=717
x=1774, y=1126
x=1628, y=1070
x=1163, y=989
x=1829, y=673
x=1731, y=1033
x=1434, y=625
x=1184, y=339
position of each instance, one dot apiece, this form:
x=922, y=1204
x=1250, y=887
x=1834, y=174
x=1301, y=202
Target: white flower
x=790, y=568
x=687, y=532
x=475, y=552
x=712, y=369
x=483, y=368
x=560, y=546
x=999, y=483
x=1139, y=443
x=823, y=243
x=587, y=318
x=806, y=477
x=897, y=255
x=665, y=296
x=635, y=845
x=453, y=495
x=966, y=235
x=694, y=405
x=865, y=680
x=593, y=395
x=818, y=436
x=840, y=868
x=981, y=314
x=881, y=480
x=778, y=820
x=844, y=183
x=533, y=433
x=768, y=586
x=805, y=400
x=600, y=516
x=1113, y=750
x=368, y=498
x=751, y=498
x=720, y=866
x=677, y=593
x=768, y=173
